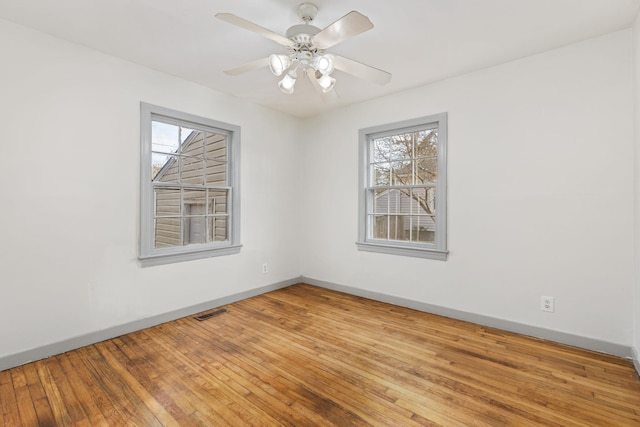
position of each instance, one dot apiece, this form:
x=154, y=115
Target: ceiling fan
x=306, y=45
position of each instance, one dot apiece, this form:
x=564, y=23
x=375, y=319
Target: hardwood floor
x=305, y=356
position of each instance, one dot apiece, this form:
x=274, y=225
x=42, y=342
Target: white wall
x=636, y=297
x=540, y=193
x=69, y=174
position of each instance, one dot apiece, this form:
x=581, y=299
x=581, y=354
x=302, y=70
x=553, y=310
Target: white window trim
x=436, y=250
x=149, y=255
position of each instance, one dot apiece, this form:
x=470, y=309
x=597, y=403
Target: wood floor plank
x=151, y=406
x=317, y=378
x=379, y=368
x=81, y=390
x=306, y=356
x=25, y=402
x=327, y=380
x=451, y=413
x=41, y=405
x=67, y=394
x=125, y=402
x=209, y=376
x=8, y=403
x=105, y=403
x=257, y=356
x=188, y=395
x=257, y=369
x=152, y=372
x=257, y=393
x=58, y=408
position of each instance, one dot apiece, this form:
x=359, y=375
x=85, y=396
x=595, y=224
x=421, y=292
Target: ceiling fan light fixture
x=325, y=64
x=306, y=46
x=326, y=82
x=287, y=84
x=279, y=63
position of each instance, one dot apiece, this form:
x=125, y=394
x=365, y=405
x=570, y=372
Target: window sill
x=169, y=258
x=402, y=251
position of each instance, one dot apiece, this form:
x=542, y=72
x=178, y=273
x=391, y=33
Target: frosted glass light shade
x=279, y=63
x=326, y=83
x=324, y=64
x=287, y=84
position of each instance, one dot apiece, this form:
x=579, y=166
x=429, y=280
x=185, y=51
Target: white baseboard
x=39, y=353
x=520, y=328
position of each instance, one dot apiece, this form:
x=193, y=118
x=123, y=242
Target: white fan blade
x=352, y=24
x=327, y=97
x=248, y=25
x=250, y=66
x=361, y=70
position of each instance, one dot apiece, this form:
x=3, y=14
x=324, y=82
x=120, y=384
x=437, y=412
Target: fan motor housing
x=302, y=29
x=303, y=49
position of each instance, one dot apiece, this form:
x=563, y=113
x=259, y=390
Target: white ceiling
x=418, y=41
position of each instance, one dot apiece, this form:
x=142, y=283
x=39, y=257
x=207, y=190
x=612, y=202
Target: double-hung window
x=190, y=187
x=403, y=188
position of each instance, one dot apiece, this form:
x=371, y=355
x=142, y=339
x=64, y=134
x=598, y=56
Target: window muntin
x=403, y=200
x=189, y=186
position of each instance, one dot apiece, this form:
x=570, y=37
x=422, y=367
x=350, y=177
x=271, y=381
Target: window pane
x=393, y=196
x=216, y=147
x=167, y=232
x=401, y=172
x=415, y=200
x=193, y=227
x=381, y=174
x=399, y=201
x=192, y=170
x=167, y=201
x=423, y=228
x=193, y=143
x=193, y=230
x=380, y=201
x=216, y=173
x=426, y=170
x=423, y=200
x=381, y=150
x=218, y=228
x=431, y=200
x=401, y=146
x=164, y=168
x=218, y=201
x=164, y=137
x=426, y=144
x=194, y=202
x=399, y=226
x=380, y=226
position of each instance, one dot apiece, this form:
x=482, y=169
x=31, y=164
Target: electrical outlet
x=265, y=268
x=546, y=304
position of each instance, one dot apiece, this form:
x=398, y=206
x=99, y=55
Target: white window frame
x=149, y=254
x=366, y=242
